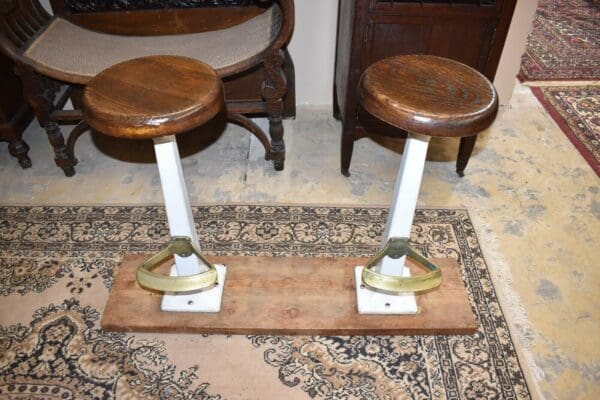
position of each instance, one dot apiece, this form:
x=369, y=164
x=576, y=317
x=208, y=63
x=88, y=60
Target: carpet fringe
x=565, y=82
x=512, y=307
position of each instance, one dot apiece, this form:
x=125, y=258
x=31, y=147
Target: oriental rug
x=56, y=270
x=564, y=42
x=576, y=109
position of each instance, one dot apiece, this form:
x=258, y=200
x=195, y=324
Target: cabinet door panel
x=388, y=37
x=435, y=7
x=464, y=40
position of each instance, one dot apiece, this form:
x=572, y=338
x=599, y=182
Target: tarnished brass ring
x=184, y=247
x=396, y=248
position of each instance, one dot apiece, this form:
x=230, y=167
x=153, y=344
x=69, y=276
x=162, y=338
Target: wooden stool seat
x=429, y=95
x=152, y=96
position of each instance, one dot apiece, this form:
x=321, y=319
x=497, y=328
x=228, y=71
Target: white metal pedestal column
x=181, y=223
x=399, y=223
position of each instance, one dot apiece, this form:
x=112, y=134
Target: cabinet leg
x=464, y=153
x=336, y=105
x=347, y=148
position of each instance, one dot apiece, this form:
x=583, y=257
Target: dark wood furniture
x=152, y=96
x=429, y=95
x=470, y=31
x=15, y=113
x=135, y=18
x=50, y=51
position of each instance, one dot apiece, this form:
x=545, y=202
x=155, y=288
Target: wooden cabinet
x=469, y=31
x=15, y=114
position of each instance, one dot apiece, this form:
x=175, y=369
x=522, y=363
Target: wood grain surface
x=288, y=296
x=152, y=96
x=170, y=21
x=429, y=95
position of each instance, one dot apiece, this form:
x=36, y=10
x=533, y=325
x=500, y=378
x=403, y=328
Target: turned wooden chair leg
x=39, y=93
x=464, y=153
x=61, y=155
x=273, y=90
x=18, y=149
x=276, y=133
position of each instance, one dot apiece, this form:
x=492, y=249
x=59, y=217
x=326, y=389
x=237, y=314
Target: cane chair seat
x=65, y=49
x=50, y=51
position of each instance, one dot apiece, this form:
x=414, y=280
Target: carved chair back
x=20, y=21
x=23, y=20
x=23, y=29
x=150, y=17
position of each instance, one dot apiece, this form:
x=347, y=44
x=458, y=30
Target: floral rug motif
x=56, y=265
x=576, y=109
x=563, y=44
x=61, y=355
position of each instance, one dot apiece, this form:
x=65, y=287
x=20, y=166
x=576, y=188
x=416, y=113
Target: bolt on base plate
x=372, y=302
x=208, y=300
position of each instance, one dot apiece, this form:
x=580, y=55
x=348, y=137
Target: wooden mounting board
x=288, y=296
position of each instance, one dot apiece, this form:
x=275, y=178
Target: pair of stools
x=161, y=96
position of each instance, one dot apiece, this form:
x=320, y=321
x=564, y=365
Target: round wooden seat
x=152, y=96
x=429, y=95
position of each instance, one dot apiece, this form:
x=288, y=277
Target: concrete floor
x=534, y=200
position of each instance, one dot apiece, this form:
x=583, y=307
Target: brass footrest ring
x=182, y=246
x=396, y=248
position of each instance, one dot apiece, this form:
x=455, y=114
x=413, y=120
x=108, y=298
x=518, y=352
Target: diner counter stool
x=156, y=98
x=425, y=96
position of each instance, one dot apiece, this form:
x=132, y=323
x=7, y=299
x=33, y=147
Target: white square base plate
x=372, y=302
x=208, y=300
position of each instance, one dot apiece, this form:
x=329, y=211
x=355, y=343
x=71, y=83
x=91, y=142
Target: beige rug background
x=56, y=267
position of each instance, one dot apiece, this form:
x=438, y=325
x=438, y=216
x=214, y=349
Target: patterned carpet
x=576, y=109
x=564, y=46
x=564, y=42
x=56, y=268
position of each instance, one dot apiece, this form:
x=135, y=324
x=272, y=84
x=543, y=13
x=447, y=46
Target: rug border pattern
x=565, y=128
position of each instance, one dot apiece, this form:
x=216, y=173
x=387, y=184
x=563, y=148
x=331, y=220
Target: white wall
x=514, y=47
x=313, y=50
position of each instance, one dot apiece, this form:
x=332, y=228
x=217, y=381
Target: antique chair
x=51, y=52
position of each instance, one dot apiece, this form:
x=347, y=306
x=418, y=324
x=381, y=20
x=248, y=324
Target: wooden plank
x=288, y=296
